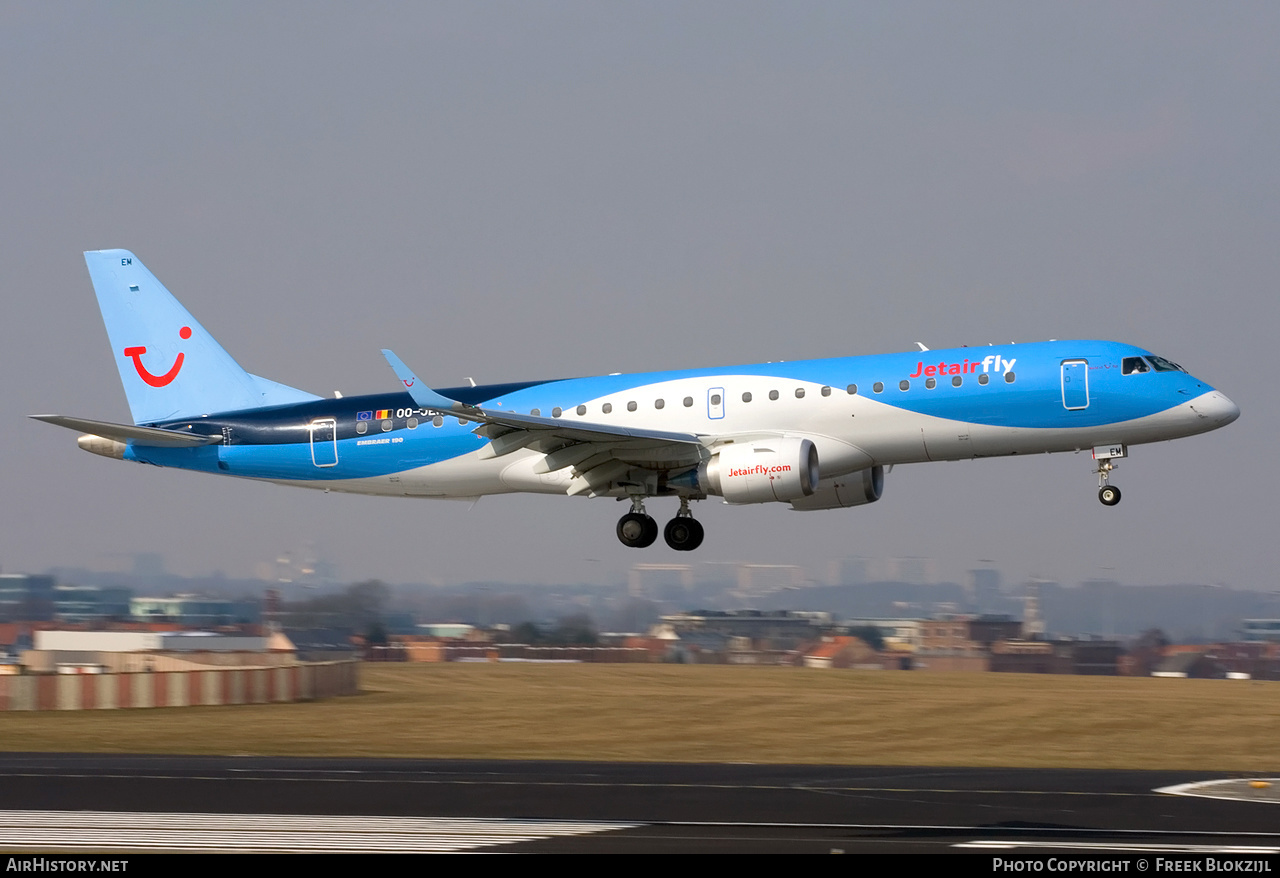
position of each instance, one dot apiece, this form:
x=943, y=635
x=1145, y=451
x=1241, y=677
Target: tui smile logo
x=157, y=380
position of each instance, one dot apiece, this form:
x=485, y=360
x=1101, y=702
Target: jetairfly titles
x=992, y=363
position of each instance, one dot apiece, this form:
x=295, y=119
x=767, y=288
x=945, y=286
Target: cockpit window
x=1163, y=365
x=1134, y=366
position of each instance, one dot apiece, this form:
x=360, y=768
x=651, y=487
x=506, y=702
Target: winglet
x=422, y=395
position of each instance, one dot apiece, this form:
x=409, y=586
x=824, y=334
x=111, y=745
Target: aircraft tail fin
x=170, y=365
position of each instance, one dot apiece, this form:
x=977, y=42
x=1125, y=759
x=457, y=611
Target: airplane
x=814, y=434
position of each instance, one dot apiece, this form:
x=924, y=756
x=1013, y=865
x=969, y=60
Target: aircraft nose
x=1218, y=408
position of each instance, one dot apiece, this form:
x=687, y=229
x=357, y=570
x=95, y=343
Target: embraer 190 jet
x=816, y=434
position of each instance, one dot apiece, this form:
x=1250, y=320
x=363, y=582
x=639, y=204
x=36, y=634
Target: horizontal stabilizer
x=144, y=436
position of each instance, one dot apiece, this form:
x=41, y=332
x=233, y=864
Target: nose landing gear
x=1108, y=494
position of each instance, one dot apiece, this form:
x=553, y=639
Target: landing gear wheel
x=637, y=530
x=684, y=534
x=1109, y=495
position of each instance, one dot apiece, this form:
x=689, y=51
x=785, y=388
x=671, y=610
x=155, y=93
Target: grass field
x=714, y=713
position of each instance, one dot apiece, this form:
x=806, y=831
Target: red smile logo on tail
x=157, y=380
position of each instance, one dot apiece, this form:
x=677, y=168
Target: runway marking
x=1233, y=789
x=272, y=833
x=123, y=831
x=247, y=775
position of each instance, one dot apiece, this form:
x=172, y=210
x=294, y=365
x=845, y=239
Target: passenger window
x=799, y=393
x=932, y=382
x=361, y=427
x=746, y=397
x=386, y=426
x=878, y=386
x=556, y=412
x=853, y=389
x=688, y=402
x=582, y=409
x=437, y=421
x=631, y=406
x=983, y=379
x=659, y=403
x=1009, y=377
x=826, y=391
x=773, y=394
x=607, y=407
x=957, y=381
x=412, y=423
x=715, y=399
x=904, y=384
x=537, y=413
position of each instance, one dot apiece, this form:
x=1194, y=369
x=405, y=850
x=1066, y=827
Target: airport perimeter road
x=104, y=803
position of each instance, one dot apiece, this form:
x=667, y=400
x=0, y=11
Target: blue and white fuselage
x=815, y=434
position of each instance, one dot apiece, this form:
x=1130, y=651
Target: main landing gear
x=638, y=530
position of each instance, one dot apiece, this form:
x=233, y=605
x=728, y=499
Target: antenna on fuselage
x=920, y=344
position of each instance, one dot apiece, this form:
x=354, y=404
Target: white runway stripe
x=131, y=831
x=1245, y=789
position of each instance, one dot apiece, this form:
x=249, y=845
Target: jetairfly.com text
x=760, y=470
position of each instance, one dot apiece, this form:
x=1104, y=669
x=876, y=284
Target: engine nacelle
x=855, y=489
x=763, y=471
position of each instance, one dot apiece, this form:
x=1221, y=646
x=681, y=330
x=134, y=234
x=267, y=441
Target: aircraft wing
x=599, y=453
x=152, y=437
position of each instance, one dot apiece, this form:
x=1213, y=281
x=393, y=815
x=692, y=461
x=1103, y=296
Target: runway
x=92, y=803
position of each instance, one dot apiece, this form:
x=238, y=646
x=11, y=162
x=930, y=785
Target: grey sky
x=525, y=190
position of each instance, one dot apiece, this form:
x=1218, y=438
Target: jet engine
x=855, y=489
x=762, y=471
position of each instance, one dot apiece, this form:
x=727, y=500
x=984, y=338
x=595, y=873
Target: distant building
x=448, y=630
x=90, y=603
x=26, y=598
x=899, y=635
x=133, y=651
x=841, y=652
x=194, y=611
x=962, y=643
x=774, y=629
x=982, y=590
x=1081, y=657
x=960, y=635
x=1267, y=630
x=1241, y=660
